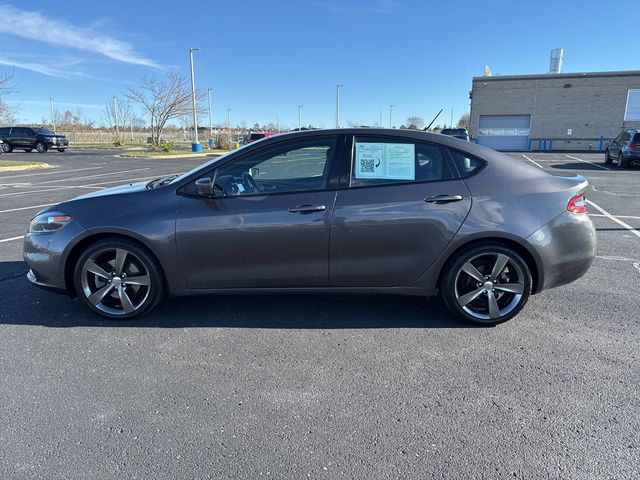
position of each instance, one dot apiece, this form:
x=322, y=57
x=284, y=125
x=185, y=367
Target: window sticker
x=389, y=161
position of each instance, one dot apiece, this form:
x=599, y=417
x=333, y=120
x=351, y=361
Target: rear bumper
x=566, y=247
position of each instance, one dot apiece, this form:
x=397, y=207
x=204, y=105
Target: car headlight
x=48, y=222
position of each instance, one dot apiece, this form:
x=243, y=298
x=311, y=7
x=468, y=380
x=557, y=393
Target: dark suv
x=28, y=138
x=625, y=149
x=460, y=133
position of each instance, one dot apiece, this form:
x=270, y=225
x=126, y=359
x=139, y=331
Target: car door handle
x=443, y=198
x=308, y=209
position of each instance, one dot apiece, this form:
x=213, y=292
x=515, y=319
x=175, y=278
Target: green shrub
x=117, y=142
x=167, y=147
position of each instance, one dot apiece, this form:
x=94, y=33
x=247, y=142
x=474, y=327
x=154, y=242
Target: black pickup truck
x=28, y=138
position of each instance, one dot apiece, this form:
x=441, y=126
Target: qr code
x=367, y=165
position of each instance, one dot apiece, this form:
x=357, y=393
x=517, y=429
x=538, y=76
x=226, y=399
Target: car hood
x=122, y=189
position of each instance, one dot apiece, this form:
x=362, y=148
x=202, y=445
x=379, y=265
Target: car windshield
x=43, y=131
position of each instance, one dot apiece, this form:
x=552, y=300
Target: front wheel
x=607, y=157
x=118, y=279
x=621, y=162
x=41, y=147
x=6, y=148
x=487, y=284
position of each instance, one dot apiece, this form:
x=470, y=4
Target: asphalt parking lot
x=320, y=386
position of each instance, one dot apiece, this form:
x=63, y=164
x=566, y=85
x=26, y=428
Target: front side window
x=291, y=167
x=382, y=161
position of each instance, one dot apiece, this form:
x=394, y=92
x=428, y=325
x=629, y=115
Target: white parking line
x=99, y=175
x=615, y=219
x=587, y=161
x=49, y=173
x=617, y=216
x=532, y=161
x=4, y=240
x=26, y=208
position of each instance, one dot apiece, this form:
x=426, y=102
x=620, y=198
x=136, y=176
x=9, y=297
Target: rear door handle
x=308, y=209
x=443, y=198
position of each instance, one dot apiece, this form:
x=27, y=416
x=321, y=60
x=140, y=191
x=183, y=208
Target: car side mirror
x=204, y=187
x=254, y=172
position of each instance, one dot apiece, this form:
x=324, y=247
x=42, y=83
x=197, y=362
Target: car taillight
x=633, y=145
x=577, y=204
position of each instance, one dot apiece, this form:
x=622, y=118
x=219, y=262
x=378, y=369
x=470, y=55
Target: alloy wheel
x=489, y=286
x=115, y=281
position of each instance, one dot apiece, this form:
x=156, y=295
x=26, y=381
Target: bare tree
x=7, y=112
x=415, y=122
x=118, y=114
x=464, y=121
x=163, y=100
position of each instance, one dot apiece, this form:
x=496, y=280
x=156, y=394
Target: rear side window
x=466, y=164
x=4, y=131
x=383, y=161
x=636, y=137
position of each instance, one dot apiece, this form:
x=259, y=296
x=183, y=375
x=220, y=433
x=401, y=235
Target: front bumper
x=46, y=253
x=57, y=142
x=566, y=247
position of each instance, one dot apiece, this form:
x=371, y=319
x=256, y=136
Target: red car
x=259, y=135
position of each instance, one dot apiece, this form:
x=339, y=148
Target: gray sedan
x=346, y=210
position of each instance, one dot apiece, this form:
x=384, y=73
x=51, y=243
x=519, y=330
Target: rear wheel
x=118, y=279
x=607, y=157
x=487, y=284
x=6, y=148
x=41, y=147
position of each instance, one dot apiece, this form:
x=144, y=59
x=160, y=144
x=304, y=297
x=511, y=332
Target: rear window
x=636, y=137
x=257, y=136
x=466, y=164
x=454, y=131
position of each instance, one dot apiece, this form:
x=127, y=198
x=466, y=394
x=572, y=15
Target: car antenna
x=434, y=119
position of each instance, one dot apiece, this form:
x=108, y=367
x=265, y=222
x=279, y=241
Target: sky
x=263, y=59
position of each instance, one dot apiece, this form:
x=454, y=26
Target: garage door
x=504, y=132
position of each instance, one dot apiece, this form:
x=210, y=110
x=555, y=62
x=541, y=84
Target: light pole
x=380, y=121
x=451, y=124
x=210, y=118
x=391, y=115
x=299, y=118
x=195, y=146
x=115, y=115
x=278, y=122
x=338, y=105
x=53, y=118
x=228, y=118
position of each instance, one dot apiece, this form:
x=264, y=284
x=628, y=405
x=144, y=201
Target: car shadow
x=580, y=166
x=25, y=304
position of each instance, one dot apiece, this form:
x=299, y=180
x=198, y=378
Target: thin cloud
x=363, y=6
x=35, y=26
x=35, y=67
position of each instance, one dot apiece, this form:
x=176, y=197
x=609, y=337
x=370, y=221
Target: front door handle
x=308, y=209
x=443, y=198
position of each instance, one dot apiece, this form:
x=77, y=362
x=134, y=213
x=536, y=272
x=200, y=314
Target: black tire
x=138, y=262
x=41, y=147
x=621, y=162
x=607, y=158
x=27, y=150
x=458, y=286
x=6, y=148
x=62, y=150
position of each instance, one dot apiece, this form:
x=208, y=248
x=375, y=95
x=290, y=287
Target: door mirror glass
x=254, y=172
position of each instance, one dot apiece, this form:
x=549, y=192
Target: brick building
x=559, y=111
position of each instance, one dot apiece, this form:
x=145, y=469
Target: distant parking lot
x=314, y=386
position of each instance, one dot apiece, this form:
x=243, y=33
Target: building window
x=632, y=112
